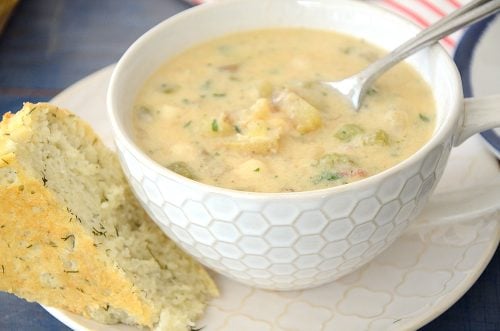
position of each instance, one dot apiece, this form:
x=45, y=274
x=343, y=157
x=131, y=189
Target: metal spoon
x=354, y=88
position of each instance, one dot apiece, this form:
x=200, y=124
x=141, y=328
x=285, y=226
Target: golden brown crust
x=46, y=256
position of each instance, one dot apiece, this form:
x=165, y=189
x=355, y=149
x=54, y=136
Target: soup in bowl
x=174, y=105
x=245, y=112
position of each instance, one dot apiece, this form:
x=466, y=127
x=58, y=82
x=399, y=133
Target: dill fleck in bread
x=73, y=236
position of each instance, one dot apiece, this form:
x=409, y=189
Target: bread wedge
x=73, y=236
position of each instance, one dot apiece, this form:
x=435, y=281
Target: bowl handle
x=479, y=114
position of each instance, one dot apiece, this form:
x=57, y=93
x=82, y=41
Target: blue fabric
x=48, y=45
x=463, y=59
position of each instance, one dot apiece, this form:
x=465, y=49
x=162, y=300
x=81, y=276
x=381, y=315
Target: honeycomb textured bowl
x=288, y=243
x=296, y=240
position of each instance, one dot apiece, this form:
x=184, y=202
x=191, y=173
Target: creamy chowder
x=243, y=112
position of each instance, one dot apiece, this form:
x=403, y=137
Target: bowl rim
x=448, y=127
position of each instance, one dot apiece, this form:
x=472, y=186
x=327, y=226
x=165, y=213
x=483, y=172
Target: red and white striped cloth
x=426, y=12
x=423, y=12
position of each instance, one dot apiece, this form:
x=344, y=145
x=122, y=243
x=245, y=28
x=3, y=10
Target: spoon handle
x=468, y=14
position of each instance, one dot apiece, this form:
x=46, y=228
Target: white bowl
x=293, y=240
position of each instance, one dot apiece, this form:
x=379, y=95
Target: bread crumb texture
x=73, y=236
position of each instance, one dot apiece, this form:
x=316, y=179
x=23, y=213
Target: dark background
x=48, y=45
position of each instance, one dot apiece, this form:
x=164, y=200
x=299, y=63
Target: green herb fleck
x=424, y=118
x=182, y=169
x=256, y=169
x=224, y=48
x=71, y=271
x=326, y=176
x=331, y=160
x=219, y=95
x=44, y=179
x=206, y=85
x=347, y=50
x=5, y=161
x=3, y=269
x=187, y=124
x=215, y=125
x=237, y=129
x=29, y=246
x=371, y=91
x=169, y=88
x=73, y=214
x=164, y=267
x=67, y=237
x=379, y=137
x=145, y=114
x=348, y=131
x=98, y=233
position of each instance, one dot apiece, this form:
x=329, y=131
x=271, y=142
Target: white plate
x=411, y=283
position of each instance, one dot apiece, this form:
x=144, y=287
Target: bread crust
x=47, y=255
x=40, y=261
